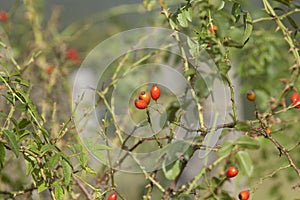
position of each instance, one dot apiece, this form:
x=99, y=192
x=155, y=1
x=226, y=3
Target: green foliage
x=173, y=172
x=37, y=131
x=245, y=162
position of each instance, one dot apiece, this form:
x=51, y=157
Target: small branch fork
x=282, y=150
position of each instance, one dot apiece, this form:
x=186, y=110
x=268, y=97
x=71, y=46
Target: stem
x=82, y=188
x=293, y=49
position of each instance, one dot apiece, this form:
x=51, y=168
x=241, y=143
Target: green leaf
x=9, y=97
x=82, y=157
x=248, y=26
x=46, y=148
x=2, y=155
x=23, y=123
x=173, y=24
x=215, y=182
x=58, y=192
x=22, y=82
x=3, y=115
x=42, y=187
x=33, y=109
x=190, y=72
x=173, y=172
x=224, y=132
x=66, y=158
x=23, y=96
x=242, y=126
x=44, y=132
x=12, y=141
x=29, y=167
x=189, y=14
x=236, y=11
x=33, y=145
x=184, y=196
x=292, y=22
x=23, y=134
x=225, y=196
x=53, y=160
x=225, y=149
x=201, y=88
x=90, y=143
x=90, y=170
x=182, y=20
x=102, y=147
x=193, y=47
x=217, y=4
x=21, y=107
x=245, y=162
x=172, y=110
x=67, y=172
x=247, y=143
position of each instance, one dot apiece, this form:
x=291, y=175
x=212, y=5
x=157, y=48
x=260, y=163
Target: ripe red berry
x=145, y=96
x=251, y=96
x=140, y=104
x=295, y=99
x=213, y=29
x=244, y=195
x=112, y=196
x=155, y=92
x=72, y=54
x=3, y=16
x=232, y=172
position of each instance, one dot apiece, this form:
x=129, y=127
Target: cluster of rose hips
x=144, y=97
x=231, y=172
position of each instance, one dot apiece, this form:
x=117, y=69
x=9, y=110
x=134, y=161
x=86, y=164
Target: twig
x=270, y=176
x=18, y=193
x=282, y=150
x=82, y=188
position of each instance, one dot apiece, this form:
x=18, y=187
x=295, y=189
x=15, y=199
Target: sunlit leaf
x=67, y=171
x=173, y=170
x=225, y=149
x=12, y=141
x=245, y=162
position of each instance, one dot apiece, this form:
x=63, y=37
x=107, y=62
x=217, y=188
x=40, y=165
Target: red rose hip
x=140, y=104
x=145, y=96
x=3, y=16
x=251, y=96
x=213, y=29
x=112, y=196
x=295, y=99
x=232, y=172
x=73, y=55
x=244, y=195
x=155, y=92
